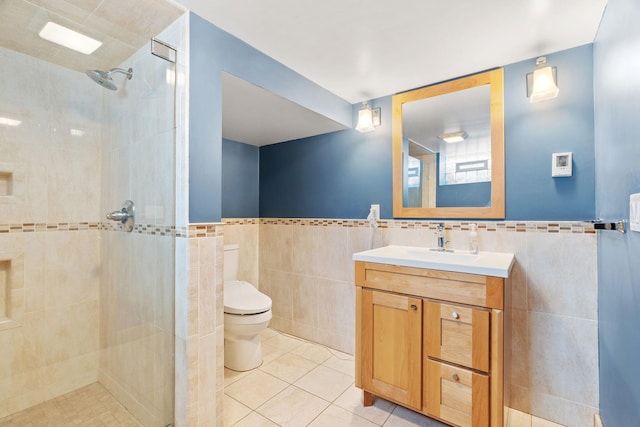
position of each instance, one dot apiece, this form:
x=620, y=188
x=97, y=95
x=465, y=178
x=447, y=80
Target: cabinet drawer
x=456, y=395
x=457, y=334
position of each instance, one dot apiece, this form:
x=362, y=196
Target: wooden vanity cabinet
x=393, y=333
x=431, y=341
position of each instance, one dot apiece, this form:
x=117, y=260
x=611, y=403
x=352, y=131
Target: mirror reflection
x=447, y=140
x=448, y=150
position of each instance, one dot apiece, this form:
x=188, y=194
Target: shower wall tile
x=55, y=349
x=553, y=287
x=61, y=173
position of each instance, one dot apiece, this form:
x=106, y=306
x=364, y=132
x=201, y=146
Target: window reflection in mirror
x=448, y=149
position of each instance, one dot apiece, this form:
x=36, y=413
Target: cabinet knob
x=414, y=307
x=455, y=315
x=455, y=377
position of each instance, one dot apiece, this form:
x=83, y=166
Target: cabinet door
x=392, y=347
x=457, y=334
x=456, y=395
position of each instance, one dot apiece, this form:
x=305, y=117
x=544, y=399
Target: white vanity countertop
x=497, y=264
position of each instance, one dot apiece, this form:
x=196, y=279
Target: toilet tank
x=231, y=259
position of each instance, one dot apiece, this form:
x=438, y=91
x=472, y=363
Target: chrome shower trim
x=105, y=79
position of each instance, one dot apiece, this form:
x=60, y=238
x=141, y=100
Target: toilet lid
x=242, y=298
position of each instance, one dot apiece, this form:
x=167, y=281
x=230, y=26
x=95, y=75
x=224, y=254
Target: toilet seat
x=241, y=298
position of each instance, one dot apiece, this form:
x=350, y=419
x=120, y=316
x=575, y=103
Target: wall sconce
x=542, y=83
x=368, y=118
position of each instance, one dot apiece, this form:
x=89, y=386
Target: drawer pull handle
x=455, y=315
x=414, y=307
x=455, y=377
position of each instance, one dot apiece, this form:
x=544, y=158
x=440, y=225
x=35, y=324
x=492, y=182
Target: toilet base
x=242, y=354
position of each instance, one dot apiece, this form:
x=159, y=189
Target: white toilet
x=247, y=312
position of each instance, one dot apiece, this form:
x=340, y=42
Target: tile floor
x=90, y=406
x=305, y=384
x=299, y=384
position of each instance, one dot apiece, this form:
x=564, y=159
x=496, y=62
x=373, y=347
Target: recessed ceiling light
x=76, y=132
x=9, y=122
x=453, y=137
x=69, y=38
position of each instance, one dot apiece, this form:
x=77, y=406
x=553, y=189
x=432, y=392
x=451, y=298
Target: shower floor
x=88, y=406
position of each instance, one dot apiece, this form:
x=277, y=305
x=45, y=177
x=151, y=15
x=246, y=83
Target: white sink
x=486, y=263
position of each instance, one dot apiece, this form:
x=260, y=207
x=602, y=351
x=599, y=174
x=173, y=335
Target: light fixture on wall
x=368, y=118
x=542, y=83
x=452, y=137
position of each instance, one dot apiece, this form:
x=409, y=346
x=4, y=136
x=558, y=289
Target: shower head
x=105, y=79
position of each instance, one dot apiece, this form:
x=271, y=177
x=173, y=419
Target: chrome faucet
x=441, y=242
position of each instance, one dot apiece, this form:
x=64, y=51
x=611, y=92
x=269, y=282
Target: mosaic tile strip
x=41, y=227
x=574, y=227
x=205, y=230
x=215, y=229
x=241, y=221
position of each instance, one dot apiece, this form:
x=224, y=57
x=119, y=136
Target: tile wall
x=199, y=331
x=306, y=268
x=199, y=326
x=49, y=215
x=138, y=272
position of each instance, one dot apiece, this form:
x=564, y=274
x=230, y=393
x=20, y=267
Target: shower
x=105, y=79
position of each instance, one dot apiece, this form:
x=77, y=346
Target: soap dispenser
x=473, y=238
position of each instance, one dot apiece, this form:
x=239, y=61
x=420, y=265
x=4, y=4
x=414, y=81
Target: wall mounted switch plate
x=634, y=212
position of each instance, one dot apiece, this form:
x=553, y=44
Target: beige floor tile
x=255, y=389
x=270, y=352
x=284, y=342
x=403, y=417
x=231, y=376
x=233, y=411
x=289, y=367
x=325, y=383
x=378, y=413
x=518, y=419
x=345, y=365
x=335, y=416
x=255, y=420
x=293, y=408
x=539, y=422
x=314, y=352
x=91, y=405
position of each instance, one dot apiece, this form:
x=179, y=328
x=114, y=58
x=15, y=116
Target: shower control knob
x=125, y=216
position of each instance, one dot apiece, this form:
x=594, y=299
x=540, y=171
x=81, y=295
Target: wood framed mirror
x=448, y=149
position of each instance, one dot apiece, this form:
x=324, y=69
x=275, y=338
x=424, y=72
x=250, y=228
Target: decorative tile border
x=574, y=227
x=40, y=227
x=151, y=229
x=215, y=229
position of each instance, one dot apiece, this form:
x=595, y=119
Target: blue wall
x=340, y=174
x=617, y=146
x=213, y=51
x=240, y=180
x=336, y=175
x=534, y=131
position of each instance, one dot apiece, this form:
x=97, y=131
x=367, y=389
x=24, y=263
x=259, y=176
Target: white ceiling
x=364, y=49
x=255, y=116
x=356, y=49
